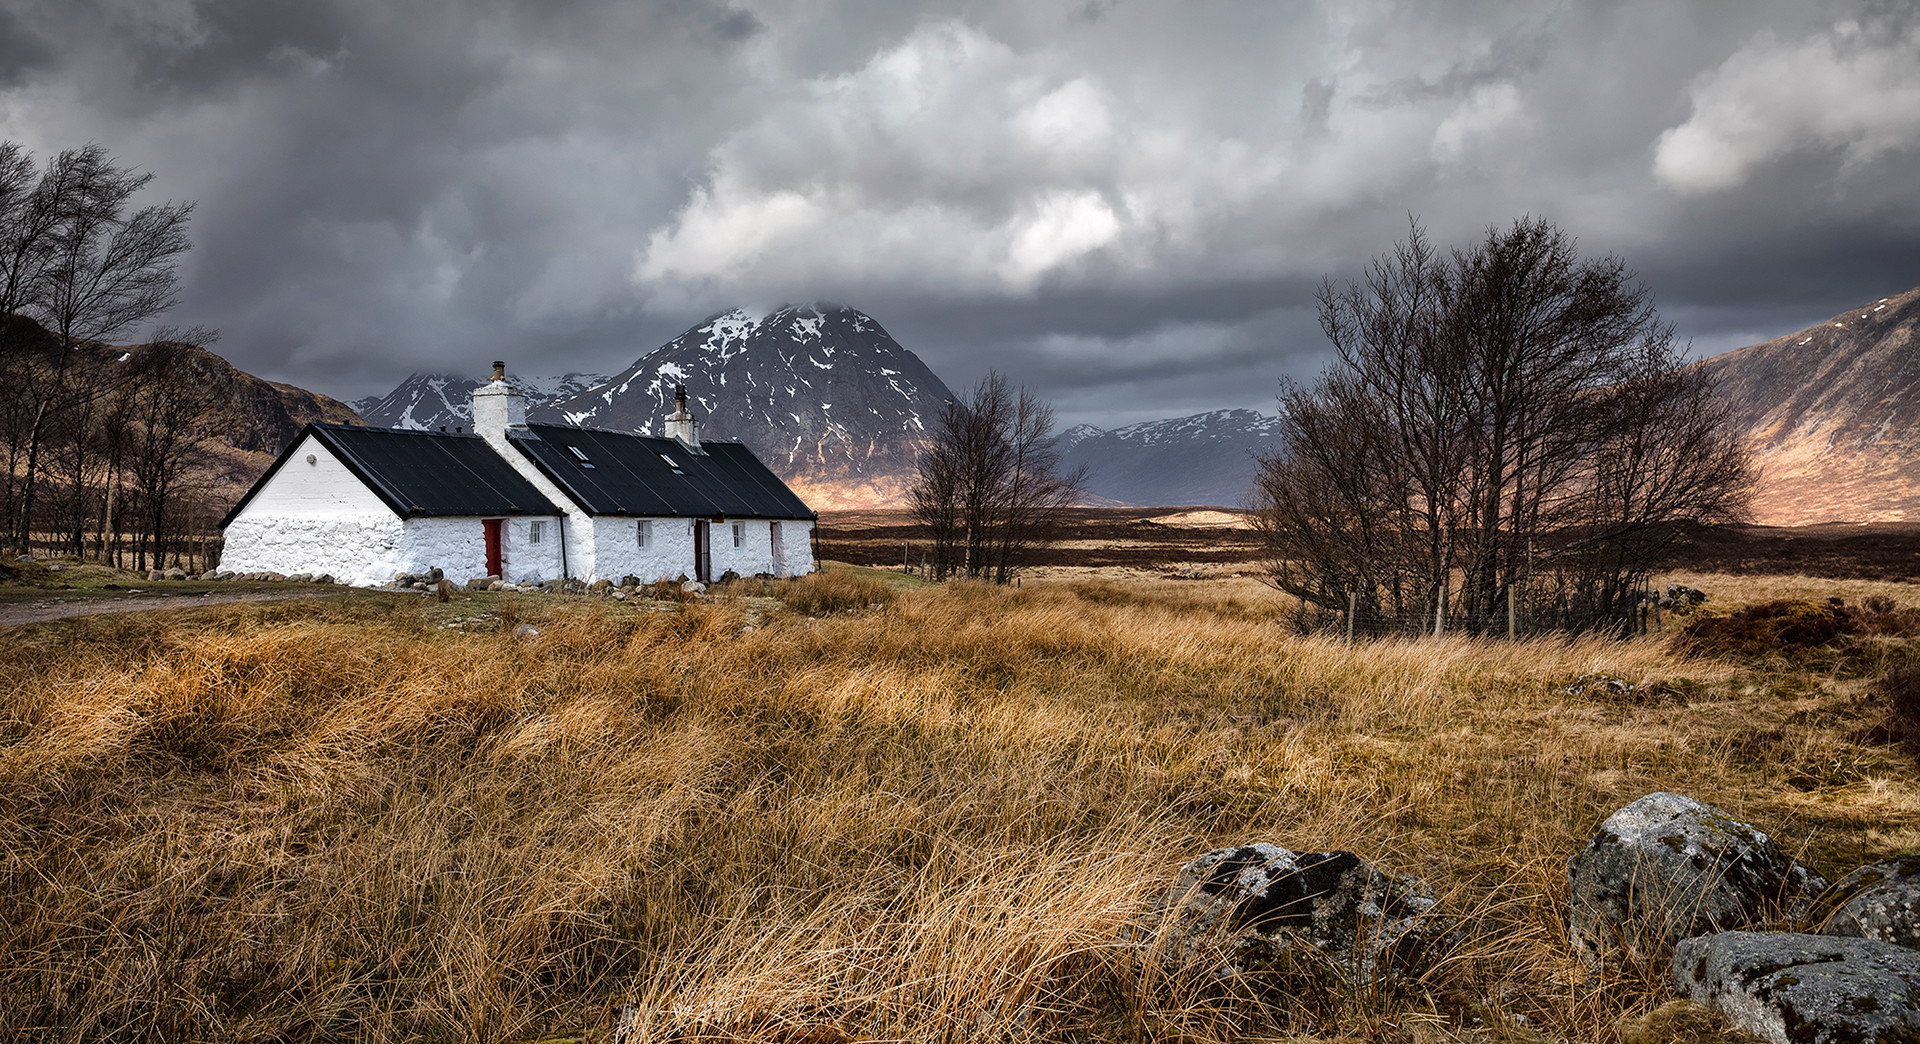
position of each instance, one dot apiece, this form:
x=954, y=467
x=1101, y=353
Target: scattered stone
x=629, y=581
x=693, y=587
x=600, y=586
x=729, y=576
x=1601, y=685
x=619, y=595
x=156, y=574
x=1268, y=910
x=1804, y=989
x=300, y=578
x=1680, y=598
x=1879, y=901
x=324, y=578
x=1666, y=868
x=175, y=573
x=496, y=585
x=526, y=632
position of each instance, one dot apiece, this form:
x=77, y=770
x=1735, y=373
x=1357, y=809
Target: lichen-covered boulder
x=1879, y=901
x=1804, y=989
x=1667, y=868
x=1262, y=909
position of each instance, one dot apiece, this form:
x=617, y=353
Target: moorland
x=862, y=807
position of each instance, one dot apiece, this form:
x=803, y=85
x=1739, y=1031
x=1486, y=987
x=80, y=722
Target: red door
x=493, y=546
x=702, y=552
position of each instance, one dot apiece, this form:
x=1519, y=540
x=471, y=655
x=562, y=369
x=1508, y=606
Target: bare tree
x=95, y=270
x=1502, y=413
x=169, y=440
x=988, y=484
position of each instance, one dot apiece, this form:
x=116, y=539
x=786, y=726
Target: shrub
x=1900, y=686
x=1787, y=626
x=818, y=594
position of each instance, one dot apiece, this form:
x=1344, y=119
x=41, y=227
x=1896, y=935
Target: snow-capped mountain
x=1203, y=459
x=821, y=393
x=428, y=401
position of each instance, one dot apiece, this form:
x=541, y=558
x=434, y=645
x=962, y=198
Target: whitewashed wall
x=755, y=553
x=524, y=561
x=796, y=551
x=617, y=551
x=358, y=550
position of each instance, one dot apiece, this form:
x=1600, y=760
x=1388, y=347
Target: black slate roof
x=615, y=473
x=421, y=473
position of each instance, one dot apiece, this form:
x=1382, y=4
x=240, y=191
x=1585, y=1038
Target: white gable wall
x=315, y=518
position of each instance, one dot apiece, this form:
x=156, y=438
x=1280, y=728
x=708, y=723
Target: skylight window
x=671, y=464
x=582, y=455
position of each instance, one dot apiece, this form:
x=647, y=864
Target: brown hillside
x=255, y=417
x=1832, y=415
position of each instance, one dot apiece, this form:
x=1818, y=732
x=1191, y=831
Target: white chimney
x=498, y=407
x=681, y=424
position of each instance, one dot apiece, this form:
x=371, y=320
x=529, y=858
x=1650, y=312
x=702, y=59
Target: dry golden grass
x=927, y=821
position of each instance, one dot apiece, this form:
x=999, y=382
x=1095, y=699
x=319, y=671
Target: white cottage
x=526, y=502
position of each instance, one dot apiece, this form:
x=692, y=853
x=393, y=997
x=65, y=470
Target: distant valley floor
x=1200, y=542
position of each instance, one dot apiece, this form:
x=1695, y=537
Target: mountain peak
x=821, y=392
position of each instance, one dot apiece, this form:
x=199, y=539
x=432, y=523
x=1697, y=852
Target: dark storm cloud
x=1124, y=204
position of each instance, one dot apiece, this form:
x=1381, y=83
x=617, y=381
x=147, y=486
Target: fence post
x=1353, y=599
x=1439, y=610
x=1513, y=611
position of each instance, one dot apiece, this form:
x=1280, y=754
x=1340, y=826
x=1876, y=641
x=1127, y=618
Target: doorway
x=492, y=527
x=703, y=551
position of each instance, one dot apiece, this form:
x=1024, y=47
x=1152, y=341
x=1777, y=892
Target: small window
x=644, y=532
x=534, y=531
x=739, y=534
x=581, y=455
x=671, y=464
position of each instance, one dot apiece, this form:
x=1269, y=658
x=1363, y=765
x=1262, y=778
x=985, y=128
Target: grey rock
x=175, y=573
x=434, y=575
x=600, y=586
x=1879, y=901
x=1804, y=989
x=526, y=632
x=1666, y=868
x=1262, y=909
x=496, y=585
x=693, y=587
x=1681, y=598
x=324, y=578
x=300, y=578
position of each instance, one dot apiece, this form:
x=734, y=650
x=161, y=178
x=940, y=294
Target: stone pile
x=1668, y=878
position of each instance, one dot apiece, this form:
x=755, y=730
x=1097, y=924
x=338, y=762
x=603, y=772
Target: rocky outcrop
x=1262, y=909
x=1879, y=901
x=1804, y=989
x=1666, y=868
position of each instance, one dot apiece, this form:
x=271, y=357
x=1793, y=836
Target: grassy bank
x=928, y=820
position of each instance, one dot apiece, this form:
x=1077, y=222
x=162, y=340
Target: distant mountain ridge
x=430, y=401
x=1831, y=415
x=1203, y=459
x=821, y=393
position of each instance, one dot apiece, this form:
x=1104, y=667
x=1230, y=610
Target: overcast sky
x=1124, y=203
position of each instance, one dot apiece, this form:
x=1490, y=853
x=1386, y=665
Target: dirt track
x=58, y=605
